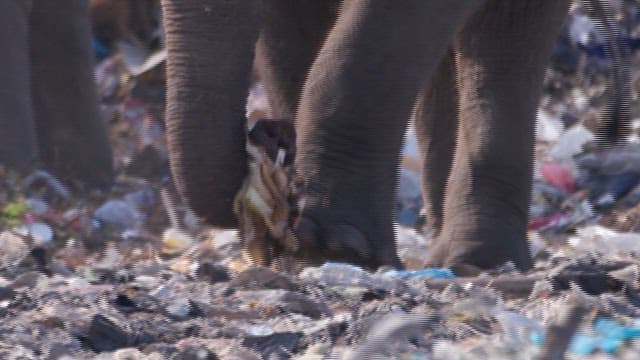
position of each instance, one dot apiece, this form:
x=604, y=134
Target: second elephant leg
x=502, y=55
x=436, y=121
x=291, y=36
x=72, y=135
x=352, y=115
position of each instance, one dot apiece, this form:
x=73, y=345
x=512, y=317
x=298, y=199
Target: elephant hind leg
x=291, y=36
x=502, y=53
x=18, y=147
x=436, y=122
x=71, y=132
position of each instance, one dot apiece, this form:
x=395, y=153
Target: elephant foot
x=471, y=257
x=324, y=237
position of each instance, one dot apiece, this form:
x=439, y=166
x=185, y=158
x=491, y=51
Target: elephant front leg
x=502, y=54
x=210, y=48
x=353, y=113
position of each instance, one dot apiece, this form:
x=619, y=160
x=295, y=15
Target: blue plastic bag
x=428, y=273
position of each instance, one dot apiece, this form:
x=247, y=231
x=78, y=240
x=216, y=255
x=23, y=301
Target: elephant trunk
x=210, y=45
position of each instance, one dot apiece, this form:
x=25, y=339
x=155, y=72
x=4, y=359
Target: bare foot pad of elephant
x=467, y=258
x=326, y=238
x=338, y=242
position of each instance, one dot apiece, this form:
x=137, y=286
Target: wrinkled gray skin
x=49, y=111
x=472, y=71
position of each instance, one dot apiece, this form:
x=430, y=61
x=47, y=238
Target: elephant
x=350, y=74
x=49, y=110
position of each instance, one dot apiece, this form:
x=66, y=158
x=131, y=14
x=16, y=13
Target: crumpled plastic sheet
x=428, y=273
x=338, y=274
x=573, y=190
x=607, y=336
x=603, y=240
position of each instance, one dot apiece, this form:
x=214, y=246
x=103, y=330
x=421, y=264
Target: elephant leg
x=502, y=53
x=436, y=121
x=72, y=135
x=291, y=36
x=210, y=50
x=351, y=119
x=18, y=147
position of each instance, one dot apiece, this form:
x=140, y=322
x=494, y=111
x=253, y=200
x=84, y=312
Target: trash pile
x=133, y=274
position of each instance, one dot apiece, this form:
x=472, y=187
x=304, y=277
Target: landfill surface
x=132, y=274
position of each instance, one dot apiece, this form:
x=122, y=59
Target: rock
x=163, y=349
x=6, y=293
x=288, y=300
x=629, y=275
x=57, y=350
x=16, y=352
x=179, y=309
x=183, y=309
x=14, y=249
x=195, y=354
x=216, y=312
x=28, y=279
x=240, y=353
x=128, y=354
x=105, y=334
x=278, y=344
x=210, y=272
x=261, y=277
x=125, y=304
x=315, y=352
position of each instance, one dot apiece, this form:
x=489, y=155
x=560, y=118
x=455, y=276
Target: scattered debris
x=132, y=274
